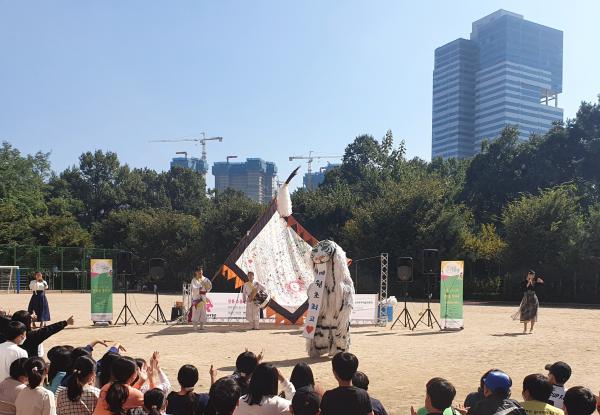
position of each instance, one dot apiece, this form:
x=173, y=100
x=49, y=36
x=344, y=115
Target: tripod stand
x=125, y=309
x=408, y=320
x=430, y=316
x=160, y=316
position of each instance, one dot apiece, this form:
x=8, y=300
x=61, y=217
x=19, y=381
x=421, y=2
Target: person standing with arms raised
x=529, y=304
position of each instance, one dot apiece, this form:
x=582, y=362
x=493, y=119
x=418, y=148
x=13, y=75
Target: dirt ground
x=398, y=362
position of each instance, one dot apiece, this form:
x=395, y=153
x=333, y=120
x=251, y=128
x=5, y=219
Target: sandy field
x=398, y=362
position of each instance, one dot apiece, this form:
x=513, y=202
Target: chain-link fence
x=488, y=282
x=64, y=268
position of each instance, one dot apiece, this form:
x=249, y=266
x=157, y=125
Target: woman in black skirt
x=529, y=304
x=39, y=303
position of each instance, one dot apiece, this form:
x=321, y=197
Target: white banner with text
x=223, y=307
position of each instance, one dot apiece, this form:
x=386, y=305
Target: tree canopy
x=516, y=205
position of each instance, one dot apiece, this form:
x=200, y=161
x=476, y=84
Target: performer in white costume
x=251, y=289
x=332, y=332
x=200, y=287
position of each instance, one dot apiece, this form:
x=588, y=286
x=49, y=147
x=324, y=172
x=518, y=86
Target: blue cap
x=497, y=380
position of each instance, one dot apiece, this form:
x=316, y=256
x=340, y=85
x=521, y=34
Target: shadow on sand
x=285, y=362
x=430, y=333
x=510, y=334
x=208, y=330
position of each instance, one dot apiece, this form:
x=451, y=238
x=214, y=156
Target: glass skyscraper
x=508, y=73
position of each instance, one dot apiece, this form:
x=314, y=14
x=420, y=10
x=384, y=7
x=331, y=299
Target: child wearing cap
x=558, y=373
x=536, y=391
x=496, y=389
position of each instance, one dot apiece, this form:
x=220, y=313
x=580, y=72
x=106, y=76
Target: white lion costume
x=332, y=332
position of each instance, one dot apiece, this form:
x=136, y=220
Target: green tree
x=325, y=211
x=411, y=215
x=144, y=189
x=154, y=233
x=186, y=189
x=14, y=224
x=487, y=245
x=59, y=231
x=491, y=178
x=59, y=199
x=22, y=180
x=543, y=230
x=229, y=216
x=366, y=162
x=591, y=234
x=96, y=182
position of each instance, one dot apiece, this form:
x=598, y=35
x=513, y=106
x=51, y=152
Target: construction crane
x=309, y=159
x=202, y=141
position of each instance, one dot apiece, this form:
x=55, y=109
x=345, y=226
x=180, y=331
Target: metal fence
x=64, y=268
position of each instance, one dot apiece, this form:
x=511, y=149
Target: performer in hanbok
x=38, y=303
x=200, y=287
x=254, y=294
x=528, y=309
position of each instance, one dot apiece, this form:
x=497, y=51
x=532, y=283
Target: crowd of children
x=73, y=383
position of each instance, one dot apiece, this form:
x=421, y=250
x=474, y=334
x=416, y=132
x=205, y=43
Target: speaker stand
x=124, y=311
x=160, y=316
x=408, y=320
x=428, y=313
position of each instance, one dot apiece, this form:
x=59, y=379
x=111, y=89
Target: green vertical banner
x=451, y=294
x=101, y=289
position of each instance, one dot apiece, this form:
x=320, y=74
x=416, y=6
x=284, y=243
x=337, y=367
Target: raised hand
x=461, y=408
x=155, y=361
x=70, y=321
x=119, y=347
x=213, y=374
x=280, y=376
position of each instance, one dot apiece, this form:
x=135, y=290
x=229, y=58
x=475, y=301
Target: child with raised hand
x=118, y=395
x=156, y=377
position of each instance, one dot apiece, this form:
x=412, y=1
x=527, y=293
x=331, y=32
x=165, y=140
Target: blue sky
x=274, y=78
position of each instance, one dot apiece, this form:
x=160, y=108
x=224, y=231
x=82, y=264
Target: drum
x=261, y=299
